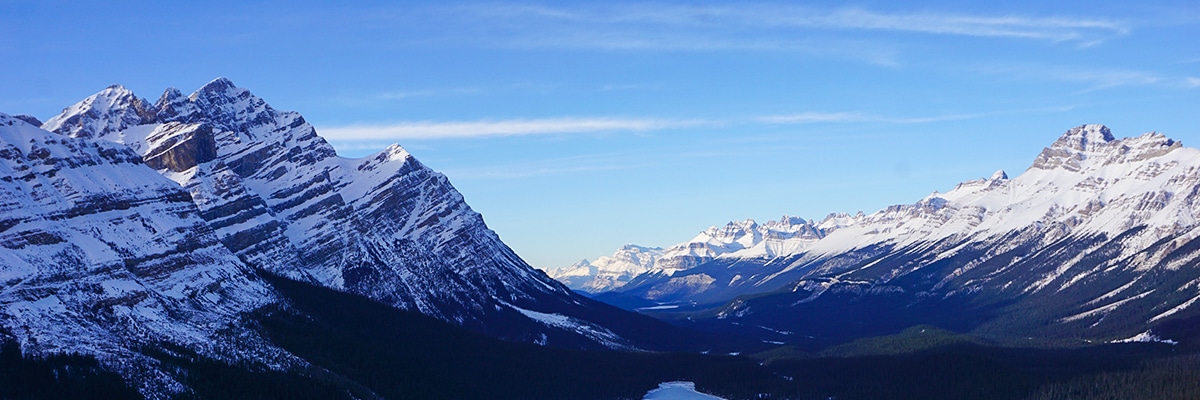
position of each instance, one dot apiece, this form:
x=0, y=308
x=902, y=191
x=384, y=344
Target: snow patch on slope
x=595, y=332
x=1145, y=337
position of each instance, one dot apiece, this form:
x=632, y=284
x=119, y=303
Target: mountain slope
x=1096, y=240
x=383, y=226
x=137, y=233
x=102, y=256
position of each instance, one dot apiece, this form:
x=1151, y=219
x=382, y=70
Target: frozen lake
x=678, y=391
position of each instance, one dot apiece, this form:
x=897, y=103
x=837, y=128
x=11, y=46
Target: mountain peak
x=171, y=104
x=998, y=175
x=220, y=84
x=631, y=246
x=29, y=119
x=113, y=95
x=220, y=91
x=110, y=110
x=792, y=220
x=1085, y=137
x=170, y=95
x=1090, y=146
x=228, y=107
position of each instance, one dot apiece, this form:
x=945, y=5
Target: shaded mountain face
x=102, y=256
x=1096, y=241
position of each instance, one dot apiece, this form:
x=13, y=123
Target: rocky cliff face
x=102, y=256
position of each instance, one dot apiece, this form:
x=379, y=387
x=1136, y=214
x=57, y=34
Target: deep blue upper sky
x=578, y=127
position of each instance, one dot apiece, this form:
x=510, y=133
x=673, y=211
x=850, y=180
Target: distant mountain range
x=1096, y=241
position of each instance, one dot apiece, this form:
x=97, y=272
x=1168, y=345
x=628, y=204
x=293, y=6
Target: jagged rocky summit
x=127, y=224
x=608, y=272
x=1097, y=240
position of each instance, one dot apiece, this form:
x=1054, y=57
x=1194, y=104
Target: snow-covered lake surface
x=678, y=391
x=662, y=307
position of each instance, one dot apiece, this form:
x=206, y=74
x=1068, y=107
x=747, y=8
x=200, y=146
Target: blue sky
x=575, y=128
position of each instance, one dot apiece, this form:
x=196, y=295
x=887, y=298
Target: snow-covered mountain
x=608, y=272
x=131, y=227
x=741, y=239
x=1098, y=234
x=277, y=195
x=738, y=239
x=102, y=256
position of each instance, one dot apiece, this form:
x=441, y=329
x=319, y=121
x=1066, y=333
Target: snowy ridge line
x=1133, y=172
x=1104, y=229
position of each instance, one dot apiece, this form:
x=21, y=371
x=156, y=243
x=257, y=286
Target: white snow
x=608, y=272
x=76, y=293
x=1175, y=309
x=1145, y=337
x=597, y=333
x=1107, y=308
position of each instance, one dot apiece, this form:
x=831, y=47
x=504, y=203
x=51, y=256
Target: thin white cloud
x=400, y=95
x=762, y=26
x=372, y=134
x=627, y=86
x=854, y=117
x=844, y=48
x=1095, y=79
x=405, y=94
x=583, y=163
x=1191, y=82
x=512, y=127
x=1108, y=79
x=516, y=172
x=1026, y=27
x=814, y=117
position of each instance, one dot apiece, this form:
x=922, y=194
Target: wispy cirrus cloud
x=414, y=93
x=405, y=94
x=1093, y=78
x=1024, y=27
x=510, y=127
x=846, y=117
x=760, y=26
x=584, y=163
x=1103, y=79
x=809, y=117
x=432, y=130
